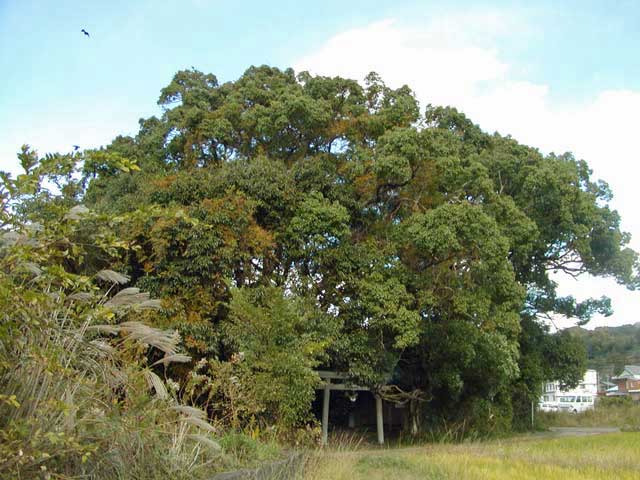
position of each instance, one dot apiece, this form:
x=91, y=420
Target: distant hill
x=610, y=348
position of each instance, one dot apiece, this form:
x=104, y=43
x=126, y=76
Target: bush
x=279, y=340
x=616, y=402
x=243, y=450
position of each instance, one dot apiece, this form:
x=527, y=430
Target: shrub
x=279, y=340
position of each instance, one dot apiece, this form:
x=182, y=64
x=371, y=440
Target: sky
x=559, y=76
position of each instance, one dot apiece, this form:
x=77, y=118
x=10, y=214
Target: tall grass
x=619, y=412
x=78, y=397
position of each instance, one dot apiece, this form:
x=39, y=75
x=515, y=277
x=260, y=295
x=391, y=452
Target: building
x=575, y=399
x=628, y=382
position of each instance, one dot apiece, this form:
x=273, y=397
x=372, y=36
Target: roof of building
x=630, y=371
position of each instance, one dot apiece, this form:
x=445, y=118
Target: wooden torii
x=339, y=381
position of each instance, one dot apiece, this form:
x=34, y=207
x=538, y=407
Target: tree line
x=609, y=349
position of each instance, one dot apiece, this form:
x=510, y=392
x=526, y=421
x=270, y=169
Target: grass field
x=591, y=457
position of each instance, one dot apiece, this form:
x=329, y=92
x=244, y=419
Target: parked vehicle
x=575, y=403
x=556, y=397
x=548, y=406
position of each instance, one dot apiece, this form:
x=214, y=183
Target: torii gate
x=327, y=386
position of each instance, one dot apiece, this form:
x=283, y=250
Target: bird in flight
x=76, y=148
x=85, y=32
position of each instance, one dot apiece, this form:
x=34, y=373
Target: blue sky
x=556, y=75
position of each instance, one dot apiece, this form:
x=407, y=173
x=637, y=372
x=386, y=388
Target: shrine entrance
x=332, y=381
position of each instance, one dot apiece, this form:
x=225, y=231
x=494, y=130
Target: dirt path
x=578, y=431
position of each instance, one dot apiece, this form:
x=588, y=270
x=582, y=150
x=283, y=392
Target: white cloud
x=437, y=66
x=453, y=61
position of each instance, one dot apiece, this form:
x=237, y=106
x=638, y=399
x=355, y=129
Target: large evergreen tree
x=416, y=248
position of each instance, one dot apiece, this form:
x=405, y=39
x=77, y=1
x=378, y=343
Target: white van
x=575, y=403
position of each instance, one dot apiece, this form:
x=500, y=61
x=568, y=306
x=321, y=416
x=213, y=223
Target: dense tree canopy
x=422, y=245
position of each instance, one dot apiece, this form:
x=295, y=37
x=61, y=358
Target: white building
x=577, y=399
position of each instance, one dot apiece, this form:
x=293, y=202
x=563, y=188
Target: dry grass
x=584, y=458
x=79, y=400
